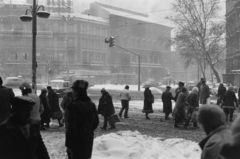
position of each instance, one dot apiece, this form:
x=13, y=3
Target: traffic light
x=111, y=41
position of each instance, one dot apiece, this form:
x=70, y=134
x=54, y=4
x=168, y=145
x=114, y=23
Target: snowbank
x=133, y=145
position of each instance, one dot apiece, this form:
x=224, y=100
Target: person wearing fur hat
x=82, y=121
x=167, y=98
x=229, y=99
x=193, y=107
x=231, y=149
x=19, y=138
x=6, y=100
x=106, y=108
x=37, y=108
x=213, y=122
x=178, y=90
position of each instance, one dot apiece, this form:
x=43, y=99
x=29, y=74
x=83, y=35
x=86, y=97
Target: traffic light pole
x=139, y=63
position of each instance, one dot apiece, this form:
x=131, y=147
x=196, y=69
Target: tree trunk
x=202, y=70
x=215, y=73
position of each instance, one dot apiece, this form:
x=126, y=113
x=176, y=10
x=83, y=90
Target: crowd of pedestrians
x=22, y=118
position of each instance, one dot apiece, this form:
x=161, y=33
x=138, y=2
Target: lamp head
x=43, y=14
x=26, y=18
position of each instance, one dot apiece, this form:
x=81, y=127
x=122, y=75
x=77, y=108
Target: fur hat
x=80, y=84
x=181, y=83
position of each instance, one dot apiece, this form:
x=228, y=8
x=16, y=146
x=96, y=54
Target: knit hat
x=24, y=85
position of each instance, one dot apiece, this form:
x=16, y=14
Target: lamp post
x=34, y=10
x=67, y=19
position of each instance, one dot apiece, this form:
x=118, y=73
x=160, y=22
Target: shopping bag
x=57, y=115
x=113, y=119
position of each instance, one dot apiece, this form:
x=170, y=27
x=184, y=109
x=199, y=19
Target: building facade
x=233, y=42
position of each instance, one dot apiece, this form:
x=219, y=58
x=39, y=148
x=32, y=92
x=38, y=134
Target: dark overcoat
x=14, y=145
x=105, y=106
x=229, y=99
x=193, y=100
x=53, y=101
x=167, y=101
x=6, y=99
x=148, y=101
x=204, y=93
x=46, y=115
x=82, y=121
x=221, y=91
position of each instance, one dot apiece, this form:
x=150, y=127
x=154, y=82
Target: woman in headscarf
x=148, y=101
x=181, y=107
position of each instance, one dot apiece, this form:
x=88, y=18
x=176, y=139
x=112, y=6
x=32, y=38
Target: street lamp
x=67, y=19
x=34, y=9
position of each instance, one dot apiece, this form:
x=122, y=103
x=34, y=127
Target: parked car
x=13, y=82
x=59, y=86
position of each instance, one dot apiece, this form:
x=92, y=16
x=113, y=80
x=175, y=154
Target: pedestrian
x=204, y=93
x=148, y=101
x=193, y=107
x=220, y=94
x=106, y=108
x=181, y=106
x=19, y=138
x=82, y=121
x=67, y=99
x=213, y=122
x=37, y=108
x=54, y=105
x=200, y=84
x=178, y=90
x=46, y=115
x=231, y=149
x=167, y=98
x=6, y=100
x=229, y=99
x=125, y=98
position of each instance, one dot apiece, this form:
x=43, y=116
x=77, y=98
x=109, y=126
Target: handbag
x=113, y=119
x=57, y=115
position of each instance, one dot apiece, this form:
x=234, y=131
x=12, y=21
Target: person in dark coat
x=229, y=99
x=6, y=100
x=181, y=107
x=220, y=94
x=46, y=115
x=167, y=98
x=193, y=107
x=106, y=108
x=54, y=103
x=82, y=121
x=213, y=122
x=200, y=84
x=204, y=93
x=178, y=90
x=231, y=149
x=19, y=138
x=148, y=101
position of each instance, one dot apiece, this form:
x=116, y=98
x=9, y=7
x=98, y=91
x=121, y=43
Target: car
x=59, y=86
x=13, y=82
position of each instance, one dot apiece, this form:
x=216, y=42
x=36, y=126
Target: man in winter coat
x=231, y=149
x=212, y=119
x=18, y=138
x=46, y=115
x=54, y=103
x=178, y=90
x=148, y=101
x=37, y=109
x=125, y=98
x=220, y=94
x=229, y=99
x=106, y=108
x=193, y=107
x=167, y=98
x=200, y=83
x=82, y=121
x=204, y=93
x=6, y=100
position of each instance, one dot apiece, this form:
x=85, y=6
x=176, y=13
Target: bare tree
x=200, y=33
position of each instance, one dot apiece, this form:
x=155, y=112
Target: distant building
x=137, y=32
x=233, y=43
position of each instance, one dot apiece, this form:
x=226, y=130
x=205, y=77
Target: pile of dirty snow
x=133, y=145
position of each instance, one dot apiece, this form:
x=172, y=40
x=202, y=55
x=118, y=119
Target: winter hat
x=44, y=90
x=195, y=89
x=211, y=116
x=181, y=83
x=24, y=86
x=103, y=90
x=82, y=84
x=168, y=87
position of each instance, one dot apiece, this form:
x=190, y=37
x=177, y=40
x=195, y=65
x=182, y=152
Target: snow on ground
x=133, y=145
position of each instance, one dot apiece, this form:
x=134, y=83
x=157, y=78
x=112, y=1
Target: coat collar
x=204, y=141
